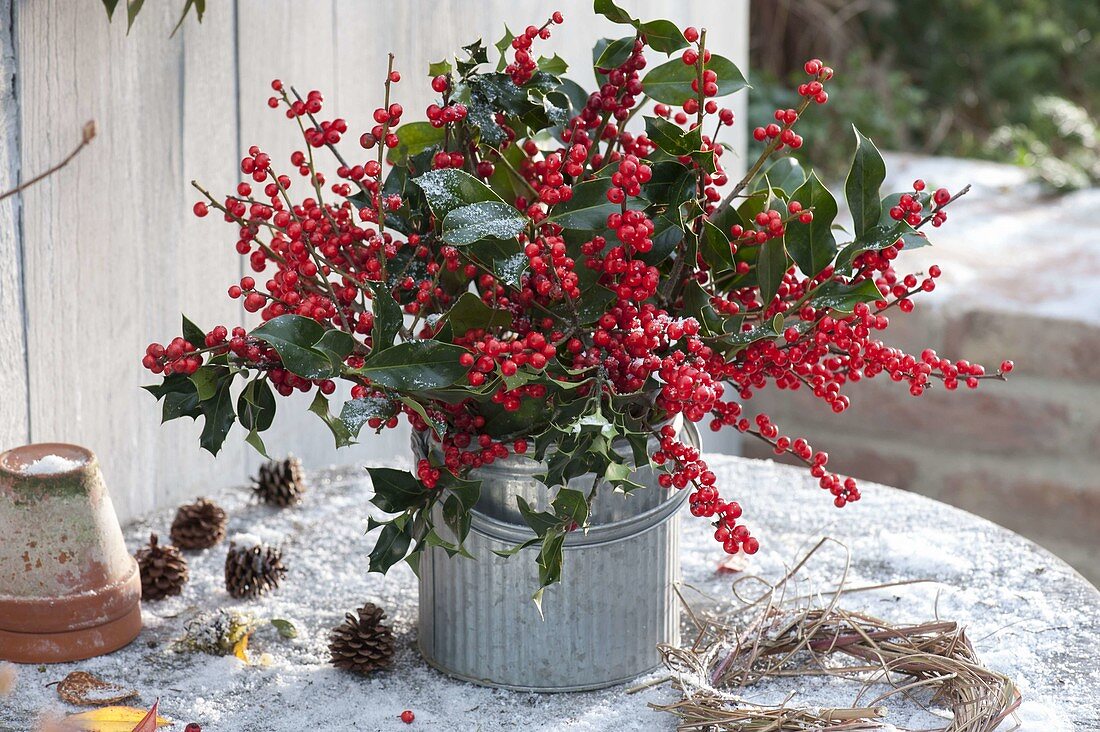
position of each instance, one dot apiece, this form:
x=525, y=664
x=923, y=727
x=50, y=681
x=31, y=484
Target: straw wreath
x=780, y=635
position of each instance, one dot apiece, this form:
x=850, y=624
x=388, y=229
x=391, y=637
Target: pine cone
x=198, y=525
x=280, y=482
x=362, y=644
x=251, y=571
x=163, y=570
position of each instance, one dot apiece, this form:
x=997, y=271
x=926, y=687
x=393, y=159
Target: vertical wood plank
x=109, y=259
x=14, y=428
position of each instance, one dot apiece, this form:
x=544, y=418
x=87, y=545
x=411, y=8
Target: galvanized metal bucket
x=601, y=624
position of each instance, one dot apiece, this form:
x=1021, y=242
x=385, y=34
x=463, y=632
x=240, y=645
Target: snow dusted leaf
x=355, y=412
x=87, y=690
x=485, y=220
x=451, y=188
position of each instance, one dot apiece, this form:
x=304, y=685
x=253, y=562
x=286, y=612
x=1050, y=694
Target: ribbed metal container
x=602, y=623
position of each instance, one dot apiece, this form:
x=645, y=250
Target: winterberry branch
x=771, y=147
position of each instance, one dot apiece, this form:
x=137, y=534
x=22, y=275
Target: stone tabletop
x=1029, y=615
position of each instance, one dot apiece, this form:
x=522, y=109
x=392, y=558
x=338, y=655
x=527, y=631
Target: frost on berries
x=526, y=271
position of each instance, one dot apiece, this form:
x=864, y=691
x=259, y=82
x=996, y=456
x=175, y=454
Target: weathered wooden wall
x=100, y=259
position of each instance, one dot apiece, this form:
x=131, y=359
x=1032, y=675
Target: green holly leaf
x=615, y=53
x=697, y=305
x=457, y=518
x=861, y=188
x=813, y=245
x=502, y=47
x=437, y=425
x=193, y=334
x=356, y=412
x=485, y=220
x=414, y=138
x=539, y=521
x=589, y=208
x=470, y=312
x=663, y=36
x=671, y=81
x=391, y=547
x=256, y=405
x=785, y=174
x=339, y=430
x=218, y=416
x=467, y=491
x=715, y=248
x=875, y=239
x=844, y=297
x=293, y=337
x=395, y=490
x=181, y=398
x=771, y=265
x=611, y=11
x=571, y=507
x=452, y=188
x=388, y=318
x=439, y=68
x=416, y=365
x=337, y=345
x=555, y=65
x=672, y=138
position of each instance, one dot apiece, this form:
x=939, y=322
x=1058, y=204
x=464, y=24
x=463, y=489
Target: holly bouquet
x=542, y=270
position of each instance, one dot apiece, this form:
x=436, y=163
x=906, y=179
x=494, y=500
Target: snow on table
x=1028, y=613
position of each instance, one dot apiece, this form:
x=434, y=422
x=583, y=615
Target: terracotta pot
x=68, y=588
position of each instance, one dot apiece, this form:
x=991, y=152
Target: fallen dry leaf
x=148, y=723
x=240, y=648
x=86, y=690
x=733, y=564
x=113, y=719
x=7, y=678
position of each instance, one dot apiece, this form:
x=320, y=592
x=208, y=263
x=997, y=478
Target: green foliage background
x=1015, y=81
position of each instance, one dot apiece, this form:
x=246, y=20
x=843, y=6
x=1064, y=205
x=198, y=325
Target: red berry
x=201, y=209
x=407, y=716
x=192, y=727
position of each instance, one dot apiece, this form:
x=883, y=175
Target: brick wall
x=1025, y=454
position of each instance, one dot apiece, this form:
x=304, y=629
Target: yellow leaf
x=110, y=719
x=240, y=648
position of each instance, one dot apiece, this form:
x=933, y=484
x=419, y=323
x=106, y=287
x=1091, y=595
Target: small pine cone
x=198, y=525
x=280, y=482
x=163, y=570
x=362, y=645
x=251, y=571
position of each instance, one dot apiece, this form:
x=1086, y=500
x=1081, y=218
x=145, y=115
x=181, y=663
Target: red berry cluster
x=688, y=468
x=178, y=357
x=524, y=65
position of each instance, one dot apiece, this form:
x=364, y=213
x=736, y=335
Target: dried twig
x=803, y=635
x=87, y=134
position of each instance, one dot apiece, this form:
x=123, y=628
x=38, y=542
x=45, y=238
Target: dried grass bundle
x=804, y=635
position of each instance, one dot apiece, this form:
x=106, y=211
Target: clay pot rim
x=14, y=462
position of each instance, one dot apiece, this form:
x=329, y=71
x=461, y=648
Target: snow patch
x=51, y=465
